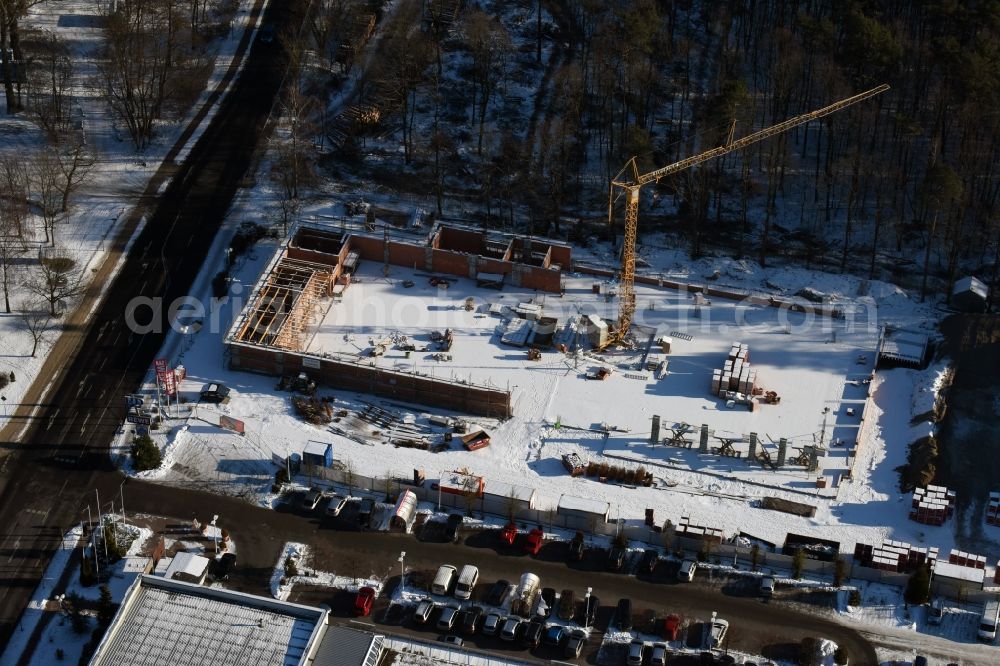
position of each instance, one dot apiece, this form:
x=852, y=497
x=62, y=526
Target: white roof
x=170, y=622
x=315, y=448
x=583, y=505
x=504, y=489
x=903, y=345
x=187, y=564
x=971, y=284
x=958, y=572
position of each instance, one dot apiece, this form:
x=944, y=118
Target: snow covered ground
x=119, y=175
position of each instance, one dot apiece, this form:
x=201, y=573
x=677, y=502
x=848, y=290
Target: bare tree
x=75, y=164
x=407, y=54
x=14, y=194
x=49, y=79
x=490, y=45
x=45, y=179
x=55, y=280
x=11, y=246
x=37, y=322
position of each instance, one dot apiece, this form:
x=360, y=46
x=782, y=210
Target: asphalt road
x=49, y=475
x=260, y=534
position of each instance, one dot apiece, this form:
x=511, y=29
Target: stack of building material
x=894, y=556
x=993, y=510
x=736, y=375
x=687, y=529
x=932, y=505
x=964, y=559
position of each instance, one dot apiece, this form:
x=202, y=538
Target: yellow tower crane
x=632, y=187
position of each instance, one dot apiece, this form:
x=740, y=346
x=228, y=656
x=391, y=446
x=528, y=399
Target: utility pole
x=100, y=521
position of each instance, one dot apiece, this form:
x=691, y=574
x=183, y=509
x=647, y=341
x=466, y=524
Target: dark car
x=616, y=559
x=498, y=593
x=567, y=605
x=576, y=547
x=224, y=565
x=648, y=561
x=590, y=611
x=623, y=614
x=214, y=392
x=554, y=635
x=452, y=528
x=549, y=597
x=365, y=511
x=470, y=618
x=533, y=634
x=311, y=499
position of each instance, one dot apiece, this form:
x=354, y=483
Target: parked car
x=548, y=602
x=659, y=655
x=533, y=542
x=363, y=601
x=636, y=650
x=224, y=566
x=444, y=579
x=687, y=571
x=469, y=619
x=590, y=607
x=533, y=633
x=649, y=560
x=467, y=580
x=671, y=627
x=498, y=593
x=616, y=559
x=365, y=511
x=452, y=527
x=576, y=547
x=508, y=534
x=717, y=633
x=623, y=614
x=512, y=628
x=492, y=624
x=311, y=499
x=554, y=635
x=214, y=392
x=567, y=605
x=935, y=613
x=447, y=619
x=767, y=586
x=452, y=640
x=575, y=643
x=423, y=611
x=336, y=505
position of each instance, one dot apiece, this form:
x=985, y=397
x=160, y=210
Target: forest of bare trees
x=904, y=186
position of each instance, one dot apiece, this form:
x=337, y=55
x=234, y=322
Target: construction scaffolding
x=286, y=304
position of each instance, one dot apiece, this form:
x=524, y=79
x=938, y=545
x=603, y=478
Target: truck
x=988, y=624
x=524, y=595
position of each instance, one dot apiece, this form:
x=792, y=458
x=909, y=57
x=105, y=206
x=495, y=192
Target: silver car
x=447, y=619
x=492, y=624
x=659, y=656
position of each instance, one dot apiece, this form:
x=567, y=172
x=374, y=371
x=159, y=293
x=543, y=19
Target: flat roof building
x=169, y=622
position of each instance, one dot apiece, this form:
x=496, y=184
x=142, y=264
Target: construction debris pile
x=314, y=411
x=932, y=505
x=686, y=528
x=736, y=381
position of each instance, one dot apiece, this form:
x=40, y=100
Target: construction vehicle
x=631, y=182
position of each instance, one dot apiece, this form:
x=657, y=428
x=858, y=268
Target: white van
x=686, y=573
x=988, y=625
x=467, y=580
x=444, y=578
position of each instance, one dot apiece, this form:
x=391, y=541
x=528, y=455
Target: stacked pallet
x=993, y=510
x=687, y=529
x=932, y=505
x=964, y=559
x=736, y=375
x=894, y=556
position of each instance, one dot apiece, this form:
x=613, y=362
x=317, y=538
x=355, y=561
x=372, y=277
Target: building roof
x=188, y=567
x=507, y=490
x=171, y=622
x=971, y=284
x=583, y=505
x=905, y=346
x=343, y=646
x=944, y=569
x=316, y=448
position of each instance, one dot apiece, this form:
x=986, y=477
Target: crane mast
x=632, y=187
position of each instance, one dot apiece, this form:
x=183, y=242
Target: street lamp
x=215, y=534
x=121, y=494
x=586, y=608
x=402, y=572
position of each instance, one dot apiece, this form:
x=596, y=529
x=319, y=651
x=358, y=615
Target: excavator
x=630, y=182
